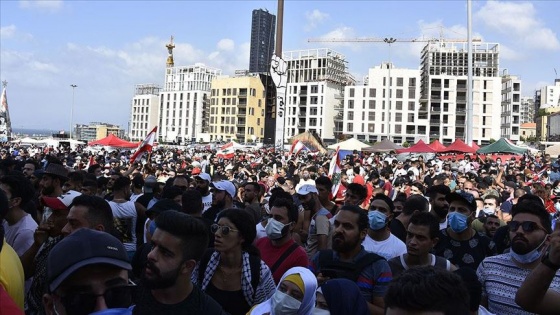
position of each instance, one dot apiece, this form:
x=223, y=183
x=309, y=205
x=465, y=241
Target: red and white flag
x=297, y=146
x=226, y=151
x=335, y=172
x=145, y=146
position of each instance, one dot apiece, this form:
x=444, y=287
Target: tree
x=492, y=140
x=406, y=144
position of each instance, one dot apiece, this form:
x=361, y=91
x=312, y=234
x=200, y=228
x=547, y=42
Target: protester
x=412, y=205
x=319, y=227
x=90, y=212
x=295, y=294
x=439, y=206
x=223, y=194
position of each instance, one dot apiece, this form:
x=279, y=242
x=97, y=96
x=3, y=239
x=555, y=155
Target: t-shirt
x=373, y=280
x=319, y=225
x=206, y=202
x=270, y=254
x=501, y=278
x=467, y=253
x=8, y=306
x=398, y=229
x=261, y=231
x=389, y=248
x=197, y=302
x=20, y=235
x=125, y=222
x=11, y=274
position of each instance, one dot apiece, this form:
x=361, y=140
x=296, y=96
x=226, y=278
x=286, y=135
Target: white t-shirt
x=261, y=232
x=389, y=248
x=207, y=202
x=125, y=222
x=20, y=235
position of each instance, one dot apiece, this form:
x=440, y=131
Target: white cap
x=204, y=176
x=305, y=189
x=225, y=185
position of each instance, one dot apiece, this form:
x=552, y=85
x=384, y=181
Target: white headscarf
x=308, y=302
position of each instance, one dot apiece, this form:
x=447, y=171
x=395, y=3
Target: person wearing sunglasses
x=502, y=275
x=232, y=273
x=87, y=272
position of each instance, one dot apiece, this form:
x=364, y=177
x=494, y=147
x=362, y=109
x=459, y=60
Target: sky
x=107, y=47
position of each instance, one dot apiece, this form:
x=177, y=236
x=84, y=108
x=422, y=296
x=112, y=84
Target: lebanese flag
x=145, y=146
x=335, y=172
x=91, y=161
x=226, y=151
x=297, y=146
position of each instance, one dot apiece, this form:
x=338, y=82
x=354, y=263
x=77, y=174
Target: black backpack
x=254, y=263
x=340, y=269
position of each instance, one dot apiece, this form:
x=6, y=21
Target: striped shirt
x=501, y=278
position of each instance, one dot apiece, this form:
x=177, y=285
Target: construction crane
x=388, y=40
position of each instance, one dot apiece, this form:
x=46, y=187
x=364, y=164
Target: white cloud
x=315, y=18
x=48, y=5
x=340, y=33
x=7, y=31
x=507, y=53
x=226, y=44
x=519, y=21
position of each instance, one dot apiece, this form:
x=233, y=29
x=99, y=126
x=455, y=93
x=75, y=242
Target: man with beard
x=251, y=198
x=223, y=193
x=29, y=168
x=305, y=180
x=438, y=204
x=501, y=276
x=179, y=242
x=460, y=243
x=319, y=226
x=348, y=259
x=491, y=225
x=203, y=181
x=341, y=192
x=51, y=184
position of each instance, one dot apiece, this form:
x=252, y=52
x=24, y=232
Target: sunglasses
x=84, y=303
x=224, y=229
x=527, y=226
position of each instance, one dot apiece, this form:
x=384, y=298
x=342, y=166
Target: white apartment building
x=527, y=109
x=184, y=109
x=143, y=111
x=547, y=101
x=444, y=91
x=372, y=113
x=315, y=79
x=510, y=118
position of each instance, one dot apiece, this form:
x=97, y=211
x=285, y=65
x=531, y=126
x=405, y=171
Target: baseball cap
x=306, y=189
x=163, y=205
x=225, y=185
x=82, y=248
x=195, y=171
x=62, y=202
x=464, y=197
x=204, y=176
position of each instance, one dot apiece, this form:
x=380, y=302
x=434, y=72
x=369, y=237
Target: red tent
x=475, y=146
x=419, y=147
x=114, y=141
x=437, y=146
x=459, y=146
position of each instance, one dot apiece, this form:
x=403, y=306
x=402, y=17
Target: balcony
x=461, y=87
x=436, y=87
x=459, y=134
x=302, y=103
x=435, y=109
x=338, y=117
x=303, y=93
x=435, y=122
x=460, y=122
x=461, y=110
x=339, y=96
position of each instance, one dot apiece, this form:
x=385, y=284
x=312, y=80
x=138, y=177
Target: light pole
x=389, y=41
x=74, y=86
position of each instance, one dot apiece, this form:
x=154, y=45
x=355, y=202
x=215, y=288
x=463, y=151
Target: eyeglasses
x=224, y=229
x=84, y=303
x=527, y=226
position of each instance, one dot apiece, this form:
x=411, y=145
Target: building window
x=411, y=117
x=411, y=81
x=398, y=105
x=371, y=116
x=371, y=92
x=371, y=127
x=350, y=104
x=350, y=115
x=351, y=92
x=398, y=128
x=411, y=106
x=398, y=117
x=400, y=81
x=399, y=93
x=350, y=127
x=372, y=104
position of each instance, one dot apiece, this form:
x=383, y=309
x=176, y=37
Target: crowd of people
x=185, y=231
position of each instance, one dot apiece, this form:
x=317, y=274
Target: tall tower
x=170, y=63
x=262, y=40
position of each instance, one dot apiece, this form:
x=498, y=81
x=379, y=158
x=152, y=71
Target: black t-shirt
x=196, y=303
x=212, y=213
x=398, y=229
x=469, y=253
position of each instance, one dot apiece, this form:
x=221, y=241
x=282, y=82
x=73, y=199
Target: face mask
x=530, y=256
x=276, y=229
x=283, y=304
x=457, y=222
x=320, y=311
x=377, y=220
x=488, y=211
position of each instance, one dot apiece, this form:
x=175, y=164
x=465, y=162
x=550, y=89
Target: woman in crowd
x=340, y=297
x=228, y=273
x=295, y=295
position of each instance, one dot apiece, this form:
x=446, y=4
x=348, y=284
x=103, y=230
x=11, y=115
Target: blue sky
x=106, y=47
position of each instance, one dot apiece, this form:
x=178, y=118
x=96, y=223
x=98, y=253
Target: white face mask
x=488, y=210
x=275, y=229
x=530, y=257
x=320, y=311
x=283, y=304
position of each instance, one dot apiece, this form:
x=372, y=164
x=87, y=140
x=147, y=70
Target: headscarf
x=344, y=297
x=308, y=302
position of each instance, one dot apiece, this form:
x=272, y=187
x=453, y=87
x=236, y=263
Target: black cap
x=83, y=248
x=464, y=197
x=163, y=205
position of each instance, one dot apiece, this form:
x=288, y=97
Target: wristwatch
x=545, y=261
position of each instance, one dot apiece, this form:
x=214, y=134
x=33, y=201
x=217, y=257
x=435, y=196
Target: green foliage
x=406, y=144
x=492, y=140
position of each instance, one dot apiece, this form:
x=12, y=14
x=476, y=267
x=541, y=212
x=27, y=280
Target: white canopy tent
x=553, y=150
x=349, y=145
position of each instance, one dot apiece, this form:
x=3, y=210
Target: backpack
x=254, y=263
x=341, y=269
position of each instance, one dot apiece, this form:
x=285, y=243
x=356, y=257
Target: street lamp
x=74, y=86
x=389, y=41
